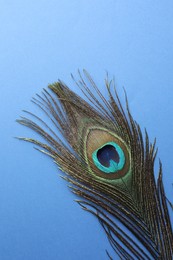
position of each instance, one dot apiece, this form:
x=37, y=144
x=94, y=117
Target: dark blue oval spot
x=106, y=154
x=109, y=158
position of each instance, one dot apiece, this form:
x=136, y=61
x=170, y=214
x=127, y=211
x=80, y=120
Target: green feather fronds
x=130, y=195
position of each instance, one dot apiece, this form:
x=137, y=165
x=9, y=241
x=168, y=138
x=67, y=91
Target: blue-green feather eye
x=106, y=154
x=109, y=158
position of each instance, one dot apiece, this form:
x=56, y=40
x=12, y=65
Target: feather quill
x=109, y=164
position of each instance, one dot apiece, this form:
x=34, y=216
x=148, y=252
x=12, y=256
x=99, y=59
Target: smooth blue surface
x=41, y=41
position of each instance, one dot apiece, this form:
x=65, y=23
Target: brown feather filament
x=135, y=200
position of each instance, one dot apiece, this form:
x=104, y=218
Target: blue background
x=41, y=41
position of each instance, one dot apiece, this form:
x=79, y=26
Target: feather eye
x=106, y=154
x=110, y=165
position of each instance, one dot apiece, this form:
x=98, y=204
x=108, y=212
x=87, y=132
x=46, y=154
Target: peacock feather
x=109, y=163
